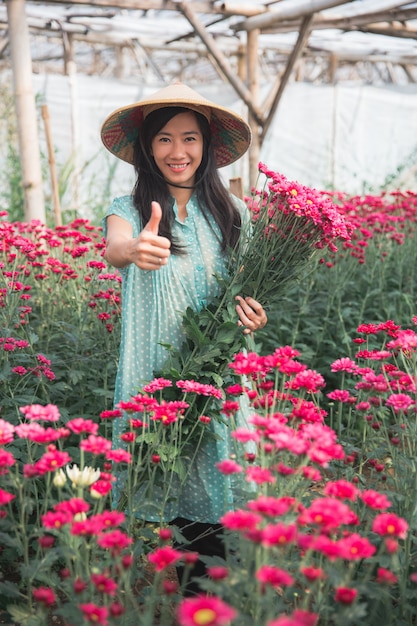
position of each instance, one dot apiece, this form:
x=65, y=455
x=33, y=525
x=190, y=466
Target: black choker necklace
x=180, y=186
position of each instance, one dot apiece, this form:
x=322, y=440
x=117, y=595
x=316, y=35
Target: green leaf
x=8, y=589
x=22, y=616
x=103, y=393
x=7, y=540
x=227, y=333
x=193, y=331
x=75, y=376
x=218, y=380
x=33, y=337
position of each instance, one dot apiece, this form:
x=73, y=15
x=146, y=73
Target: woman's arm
x=148, y=251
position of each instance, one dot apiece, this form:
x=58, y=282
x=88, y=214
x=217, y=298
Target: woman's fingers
x=152, y=251
x=251, y=314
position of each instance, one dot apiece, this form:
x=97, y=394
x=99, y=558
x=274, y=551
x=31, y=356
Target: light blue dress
x=153, y=304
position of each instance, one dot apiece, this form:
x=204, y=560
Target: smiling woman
x=171, y=239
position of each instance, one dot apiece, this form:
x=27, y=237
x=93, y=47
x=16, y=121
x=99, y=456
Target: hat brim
x=231, y=135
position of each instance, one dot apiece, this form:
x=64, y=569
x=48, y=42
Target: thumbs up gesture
x=152, y=250
x=156, y=215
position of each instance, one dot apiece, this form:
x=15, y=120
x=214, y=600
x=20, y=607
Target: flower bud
x=59, y=479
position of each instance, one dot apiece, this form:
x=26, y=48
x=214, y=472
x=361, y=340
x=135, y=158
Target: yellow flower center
x=294, y=192
x=390, y=529
x=203, y=617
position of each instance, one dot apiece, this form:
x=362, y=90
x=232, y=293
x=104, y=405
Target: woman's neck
x=182, y=197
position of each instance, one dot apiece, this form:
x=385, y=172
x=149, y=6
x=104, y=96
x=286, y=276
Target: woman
x=170, y=239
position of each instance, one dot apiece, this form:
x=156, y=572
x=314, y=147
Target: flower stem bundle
x=289, y=224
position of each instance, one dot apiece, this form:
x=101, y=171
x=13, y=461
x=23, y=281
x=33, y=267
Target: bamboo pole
x=287, y=10
x=220, y=58
x=236, y=187
x=27, y=125
x=75, y=134
x=297, y=50
x=253, y=82
x=333, y=63
x=52, y=166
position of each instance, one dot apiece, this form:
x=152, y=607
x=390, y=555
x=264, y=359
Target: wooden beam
x=408, y=72
x=236, y=187
x=356, y=21
x=333, y=63
x=389, y=31
x=348, y=56
x=288, y=9
x=351, y=22
x=253, y=82
x=4, y=45
x=220, y=59
x=27, y=123
x=199, y=6
x=295, y=54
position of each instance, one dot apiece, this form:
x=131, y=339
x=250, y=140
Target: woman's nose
x=178, y=149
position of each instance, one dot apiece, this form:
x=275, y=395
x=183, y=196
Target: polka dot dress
x=153, y=304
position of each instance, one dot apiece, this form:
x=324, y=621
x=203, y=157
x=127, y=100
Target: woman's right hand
x=151, y=251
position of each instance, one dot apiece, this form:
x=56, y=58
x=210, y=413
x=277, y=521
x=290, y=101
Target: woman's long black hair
x=212, y=195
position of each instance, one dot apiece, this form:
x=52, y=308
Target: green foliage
x=63, y=339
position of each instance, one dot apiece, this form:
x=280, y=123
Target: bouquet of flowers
x=289, y=224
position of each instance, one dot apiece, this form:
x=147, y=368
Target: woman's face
x=178, y=149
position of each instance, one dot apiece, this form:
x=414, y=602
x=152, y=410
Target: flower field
x=326, y=536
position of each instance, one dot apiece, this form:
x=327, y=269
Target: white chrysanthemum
x=82, y=478
x=59, y=478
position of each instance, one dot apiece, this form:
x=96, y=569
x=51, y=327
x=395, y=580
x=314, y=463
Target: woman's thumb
x=156, y=216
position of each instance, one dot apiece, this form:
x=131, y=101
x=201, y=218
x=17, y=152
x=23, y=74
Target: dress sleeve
x=123, y=207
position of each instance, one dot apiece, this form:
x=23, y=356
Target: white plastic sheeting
x=350, y=138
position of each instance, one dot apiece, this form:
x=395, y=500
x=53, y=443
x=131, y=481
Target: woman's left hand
x=251, y=314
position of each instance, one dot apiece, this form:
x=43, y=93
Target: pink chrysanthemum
x=192, y=386
x=164, y=557
x=389, y=524
x=48, y=413
x=228, y=466
x=205, y=611
x=274, y=576
x=298, y=618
